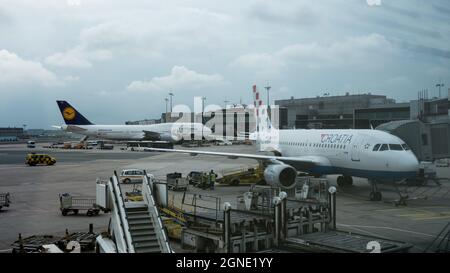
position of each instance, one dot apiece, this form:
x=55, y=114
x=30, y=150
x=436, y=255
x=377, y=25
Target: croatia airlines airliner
x=173, y=132
x=372, y=154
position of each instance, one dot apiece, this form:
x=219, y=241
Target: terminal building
x=328, y=112
x=233, y=122
x=424, y=124
x=10, y=134
x=426, y=131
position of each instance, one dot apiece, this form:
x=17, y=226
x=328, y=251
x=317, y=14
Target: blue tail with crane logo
x=71, y=115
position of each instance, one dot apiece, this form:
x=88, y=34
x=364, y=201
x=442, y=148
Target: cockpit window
x=395, y=147
x=375, y=149
x=384, y=147
x=406, y=147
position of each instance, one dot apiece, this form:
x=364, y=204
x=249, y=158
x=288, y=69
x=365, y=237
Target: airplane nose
x=410, y=163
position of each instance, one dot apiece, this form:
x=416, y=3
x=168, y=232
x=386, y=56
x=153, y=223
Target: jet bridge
x=135, y=227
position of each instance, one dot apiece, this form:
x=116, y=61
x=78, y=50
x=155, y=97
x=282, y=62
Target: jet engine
x=280, y=175
x=169, y=137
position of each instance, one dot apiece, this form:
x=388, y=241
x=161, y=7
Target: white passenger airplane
x=173, y=132
x=372, y=154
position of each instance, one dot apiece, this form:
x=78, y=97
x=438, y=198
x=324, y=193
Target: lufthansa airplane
x=372, y=154
x=173, y=132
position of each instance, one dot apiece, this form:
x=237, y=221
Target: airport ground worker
x=212, y=179
x=205, y=182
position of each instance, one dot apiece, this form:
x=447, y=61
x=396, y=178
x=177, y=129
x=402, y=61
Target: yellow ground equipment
x=35, y=159
x=80, y=145
x=242, y=176
x=135, y=195
x=174, y=213
x=174, y=221
x=173, y=228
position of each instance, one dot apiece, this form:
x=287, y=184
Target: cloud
x=17, y=71
x=146, y=33
x=315, y=55
x=373, y=2
x=419, y=31
x=299, y=15
x=402, y=10
x=399, y=80
x=424, y=49
x=180, y=76
x=259, y=62
x=5, y=18
x=438, y=71
x=72, y=59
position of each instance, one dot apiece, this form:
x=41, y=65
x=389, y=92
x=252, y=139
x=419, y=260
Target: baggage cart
x=4, y=200
x=75, y=204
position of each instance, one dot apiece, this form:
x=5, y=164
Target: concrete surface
x=35, y=205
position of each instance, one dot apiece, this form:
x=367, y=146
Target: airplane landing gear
x=375, y=194
x=340, y=181
x=343, y=181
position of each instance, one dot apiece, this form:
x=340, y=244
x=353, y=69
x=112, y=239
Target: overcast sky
x=117, y=60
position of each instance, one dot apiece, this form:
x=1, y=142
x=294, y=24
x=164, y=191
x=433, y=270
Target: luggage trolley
x=69, y=203
x=4, y=200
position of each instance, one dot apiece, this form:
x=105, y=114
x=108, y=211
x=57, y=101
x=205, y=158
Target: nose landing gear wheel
x=375, y=196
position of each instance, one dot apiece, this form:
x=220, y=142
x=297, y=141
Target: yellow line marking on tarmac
x=387, y=210
x=433, y=218
x=36, y=167
x=389, y=228
x=429, y=215
x=425, y=213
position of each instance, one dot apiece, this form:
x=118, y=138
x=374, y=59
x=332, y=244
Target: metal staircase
x=135, y=227
x=142, y=230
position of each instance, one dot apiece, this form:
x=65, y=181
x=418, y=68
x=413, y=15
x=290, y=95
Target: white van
x=132, y=176
x=31, y=144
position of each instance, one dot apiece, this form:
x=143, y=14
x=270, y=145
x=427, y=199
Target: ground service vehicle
x=241, y=176
x=69, y=203
x=195, y=178
x=35, y=159
x=4, y=200
x=132, y=176
x=176, y=182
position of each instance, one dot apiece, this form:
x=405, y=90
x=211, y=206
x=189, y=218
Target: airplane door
x=356, y=149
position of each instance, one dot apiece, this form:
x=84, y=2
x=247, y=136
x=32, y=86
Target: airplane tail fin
x=263, y=122
x=265, y=134
x=70, y=115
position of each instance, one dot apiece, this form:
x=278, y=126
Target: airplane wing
x=75, y=128
x=150, y=135
x=300, y=163
x=224, y=139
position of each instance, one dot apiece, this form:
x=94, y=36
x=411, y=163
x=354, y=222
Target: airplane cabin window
x=406, y=147
x=395, y=147
x=375, y=149
x=384, y=147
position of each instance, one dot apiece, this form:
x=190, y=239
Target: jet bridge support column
x=332, y=205
x=276, y=237
x=227, y=226
x=283, y=214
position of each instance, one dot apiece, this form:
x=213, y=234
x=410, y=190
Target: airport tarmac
x=35, y=205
